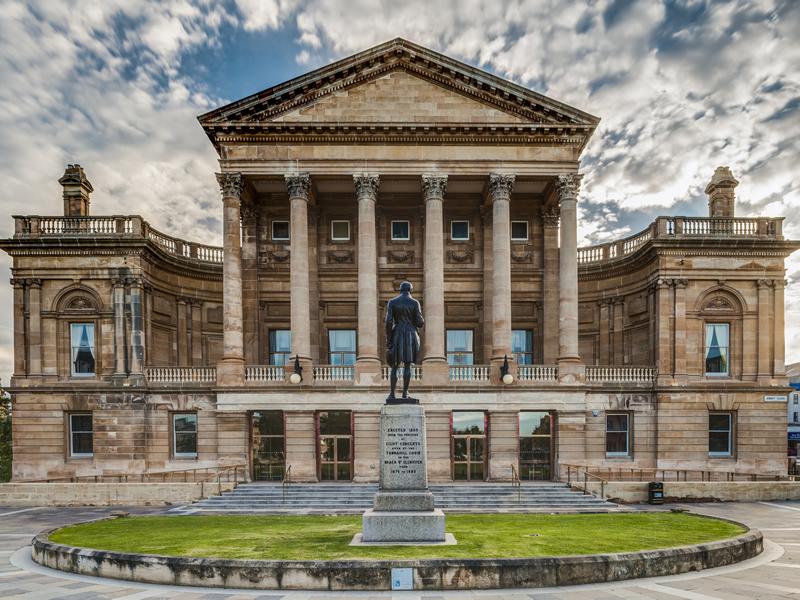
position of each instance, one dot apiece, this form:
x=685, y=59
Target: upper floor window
x=82, y=342
x=717, y=349
x=340, y=231
x=459, y=347
x=519, y=231
x=342, y=346
x=720, y=434
x=280, y=346
x=459, y=230
x=618, y=434
x=81, y=435
x=280, y=231
x=401, y=231
x=522, y=346
x=184, y=435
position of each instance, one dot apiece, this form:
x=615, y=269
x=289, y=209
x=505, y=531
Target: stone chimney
x=76, y=191
x=720, y=193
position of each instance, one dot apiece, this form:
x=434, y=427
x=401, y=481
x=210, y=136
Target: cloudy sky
x=681, y=88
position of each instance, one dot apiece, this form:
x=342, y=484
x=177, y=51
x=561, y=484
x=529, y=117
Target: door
x=535, y=446
x=335, y=443
x=268, y=445
x=468, y=446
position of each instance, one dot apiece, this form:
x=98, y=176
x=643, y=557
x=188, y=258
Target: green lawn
x=324, y=537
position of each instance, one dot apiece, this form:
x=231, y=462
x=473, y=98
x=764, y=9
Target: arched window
x=720, y=310
x=78, y=314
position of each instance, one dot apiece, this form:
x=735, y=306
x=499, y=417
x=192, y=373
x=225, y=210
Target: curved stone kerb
x=429, y=574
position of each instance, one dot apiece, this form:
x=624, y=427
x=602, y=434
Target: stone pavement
x=774, y=574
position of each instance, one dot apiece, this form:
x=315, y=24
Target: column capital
x=34, y=283
x=567, y=186
x=230, y=184
x=366, y=185
x=500, y=185
x=18, y=283
x=299, y=185
x=550, y=215
x=764, y=283
x=434, y=186
x=118, y=282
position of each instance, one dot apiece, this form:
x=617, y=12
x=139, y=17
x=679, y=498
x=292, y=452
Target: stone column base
x=368, y=371
x=435, y=372
x=571, y=372
x=230, y=372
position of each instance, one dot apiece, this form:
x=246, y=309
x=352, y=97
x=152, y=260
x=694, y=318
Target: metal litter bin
x=655, y=492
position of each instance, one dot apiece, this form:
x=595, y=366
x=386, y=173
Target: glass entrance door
x=267, y=445
x=335, y=438
x=535, y=446
x=469, y=446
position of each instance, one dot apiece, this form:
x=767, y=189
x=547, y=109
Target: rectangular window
x=717, y=336
x=280, y=230
x=459, y=347
x=519, y=231
x=184, y=435
x=401, y=230
x=340, y=231
x=81, y=435
x=618, y=434
x=459, y=230
x=82, y=341
x=796, y=415
x=522, y=346
x=280, y=347
x=342, y=346
x=720, y=434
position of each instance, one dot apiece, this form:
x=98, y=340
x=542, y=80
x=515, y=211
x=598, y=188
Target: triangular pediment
x=397, y=97
x=410, y=87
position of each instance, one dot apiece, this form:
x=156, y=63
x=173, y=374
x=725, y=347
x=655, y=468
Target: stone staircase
x=353, y=498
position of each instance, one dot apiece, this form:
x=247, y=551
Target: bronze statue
x=403, y=318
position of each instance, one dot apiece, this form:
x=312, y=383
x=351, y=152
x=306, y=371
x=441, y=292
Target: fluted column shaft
x=433, y=189
x=567, y=189
x=137, y=328
x=20, y=341
x=299, y=187
x=500, y=194
x=231, y=369
x=367, y=361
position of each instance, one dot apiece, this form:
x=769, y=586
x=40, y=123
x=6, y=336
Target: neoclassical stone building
x=136, y=351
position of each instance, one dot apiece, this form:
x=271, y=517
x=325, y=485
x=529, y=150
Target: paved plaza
x=773, y=574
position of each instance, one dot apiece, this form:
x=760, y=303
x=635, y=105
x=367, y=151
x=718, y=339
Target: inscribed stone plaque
x=403, y=448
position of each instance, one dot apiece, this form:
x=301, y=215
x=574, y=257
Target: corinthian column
x=230, y=370
x=434, y=362
x=299, y=186
x=367, y=363
x=500, y=194
x=568, y=358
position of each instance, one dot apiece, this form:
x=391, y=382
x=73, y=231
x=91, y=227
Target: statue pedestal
x=403, y=510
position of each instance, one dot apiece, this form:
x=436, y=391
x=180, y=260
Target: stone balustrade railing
x=469, y=373
x=323, y=374
x=684, y=227
x=329, y=373
x=264, y=374
x=626, y=374
x=130, y=226
x=537, y=373
x=416, y=373
x=180, y=375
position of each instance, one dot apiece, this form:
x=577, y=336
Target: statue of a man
x=403, y=318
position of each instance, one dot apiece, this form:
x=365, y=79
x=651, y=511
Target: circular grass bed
x=328, y=537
